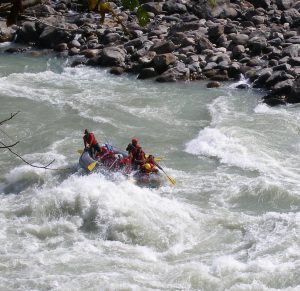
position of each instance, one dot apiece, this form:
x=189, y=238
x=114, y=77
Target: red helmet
x=134, y=141
x=104, y=149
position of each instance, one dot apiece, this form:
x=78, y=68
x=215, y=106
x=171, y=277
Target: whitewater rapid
x=231, y=223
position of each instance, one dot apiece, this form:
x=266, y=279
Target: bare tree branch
x=12, y=115
x=9, y=146
x=46, y=167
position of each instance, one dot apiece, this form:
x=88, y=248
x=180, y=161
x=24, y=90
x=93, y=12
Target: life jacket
x=131, y=149
x=139, y=157
x=148, y=168
x=90, y=139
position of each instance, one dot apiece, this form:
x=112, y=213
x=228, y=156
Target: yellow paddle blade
x=92, y=166
x=158, y=159
x=173, y=182
x=79, y=151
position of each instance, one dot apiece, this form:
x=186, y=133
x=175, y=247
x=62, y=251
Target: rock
x=283, y=87
x=90, y=53
x=262, y=76
x=110, y=38
x=274, y=101
x=27, y=33
x=294, y=95
x=15, y=50
x=257, y=44
x=153, y=7
x=257, y=20
x=242, y=86
x=282, y=67
x=184, y=26
x=292, y=51
x=202, y=43
x=147, y=58
x=277, y=77
x=74, y=51
x=61, y=47
x=238, y=51
x=285, y=4
x=291, y=16
x=260, y=3
x=116, y=70
x=41, y=10
x=180, y=72
x=163, y=47
x=137, y=42
x=213, y=84
x=112, y=56
x=147, y=73
x=239, y=38
x=161, y=62
x=50, y=37
x=294, y=39
x=221, y=75
x=234, y=71
x=294, y=61
x=215, y=32
x=172, y=7
x=74, y=43
x=77, y=62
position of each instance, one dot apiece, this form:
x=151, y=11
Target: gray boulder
x=147, y=73
x=27, y=33
x=112, y=56
x=178, y=73
x=162, y=62
x=163, y=47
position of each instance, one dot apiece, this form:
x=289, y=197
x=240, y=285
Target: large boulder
x=292, y=51
x=163, y=47
x=172, y=7
x=27, y=33
x=6, y=33
x=177, y=73
x=147, y=73
x=112, y=56
x=294, y=95
x=50, y=37
x=153, y=7
x=163, y=61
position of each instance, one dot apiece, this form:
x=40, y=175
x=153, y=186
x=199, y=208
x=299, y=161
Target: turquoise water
x=231, y=222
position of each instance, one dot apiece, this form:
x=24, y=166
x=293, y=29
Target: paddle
x=157, y=159
x=92, y=165
x=173, y=182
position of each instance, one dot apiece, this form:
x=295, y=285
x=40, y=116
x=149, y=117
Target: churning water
x=231, y=223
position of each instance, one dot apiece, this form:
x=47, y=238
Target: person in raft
x=148, y=168
x=138, y=158
x=131, y=148
x=90, y=143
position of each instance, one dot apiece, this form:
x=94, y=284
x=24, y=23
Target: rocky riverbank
x=184, y=40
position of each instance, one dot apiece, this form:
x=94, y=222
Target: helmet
x=104, y=149
x=134, y=141
x=147, y=166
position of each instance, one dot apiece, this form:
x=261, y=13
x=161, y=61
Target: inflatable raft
x=87, y=162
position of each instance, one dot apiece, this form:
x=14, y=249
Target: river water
x=231, y=223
